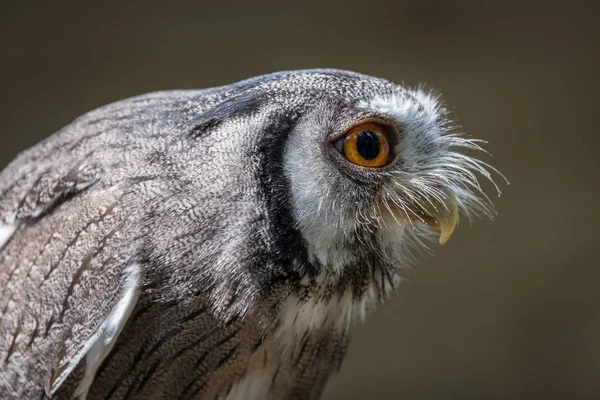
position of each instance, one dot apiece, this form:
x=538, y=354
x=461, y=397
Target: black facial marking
x=283, y=244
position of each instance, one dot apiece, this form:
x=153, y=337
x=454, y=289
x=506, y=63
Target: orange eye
x=365, y=145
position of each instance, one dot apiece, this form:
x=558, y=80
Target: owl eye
x=367, y=145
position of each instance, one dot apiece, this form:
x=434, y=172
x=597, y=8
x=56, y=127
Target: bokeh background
x=508, y=309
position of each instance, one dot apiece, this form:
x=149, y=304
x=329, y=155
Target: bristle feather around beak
x=439, y=213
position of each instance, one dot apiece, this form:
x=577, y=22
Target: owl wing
x=69, y=265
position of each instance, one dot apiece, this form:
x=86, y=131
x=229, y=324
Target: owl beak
x=444, y=217
x=439, y=215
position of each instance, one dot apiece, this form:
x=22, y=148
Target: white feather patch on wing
x=254, y=386
x=103, y=343
x=8, y=229
x=6, y=232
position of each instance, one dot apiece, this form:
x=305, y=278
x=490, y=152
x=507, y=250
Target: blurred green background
x=508, y=309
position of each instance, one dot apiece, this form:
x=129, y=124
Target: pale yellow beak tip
x=448, y=222
x=447, y=231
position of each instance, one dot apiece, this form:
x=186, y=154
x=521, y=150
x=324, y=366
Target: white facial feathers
x=429, y=170
x=429, y=152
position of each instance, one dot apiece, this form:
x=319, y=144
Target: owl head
x=319, y=183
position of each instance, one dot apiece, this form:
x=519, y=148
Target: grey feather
x=254, y=250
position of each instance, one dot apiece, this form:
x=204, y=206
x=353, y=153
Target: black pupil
x=368, y=145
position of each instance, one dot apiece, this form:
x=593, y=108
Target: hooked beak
x=445, y=218
x=442, y=216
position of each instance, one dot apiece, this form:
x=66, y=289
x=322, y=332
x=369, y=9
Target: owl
x=221, y=243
